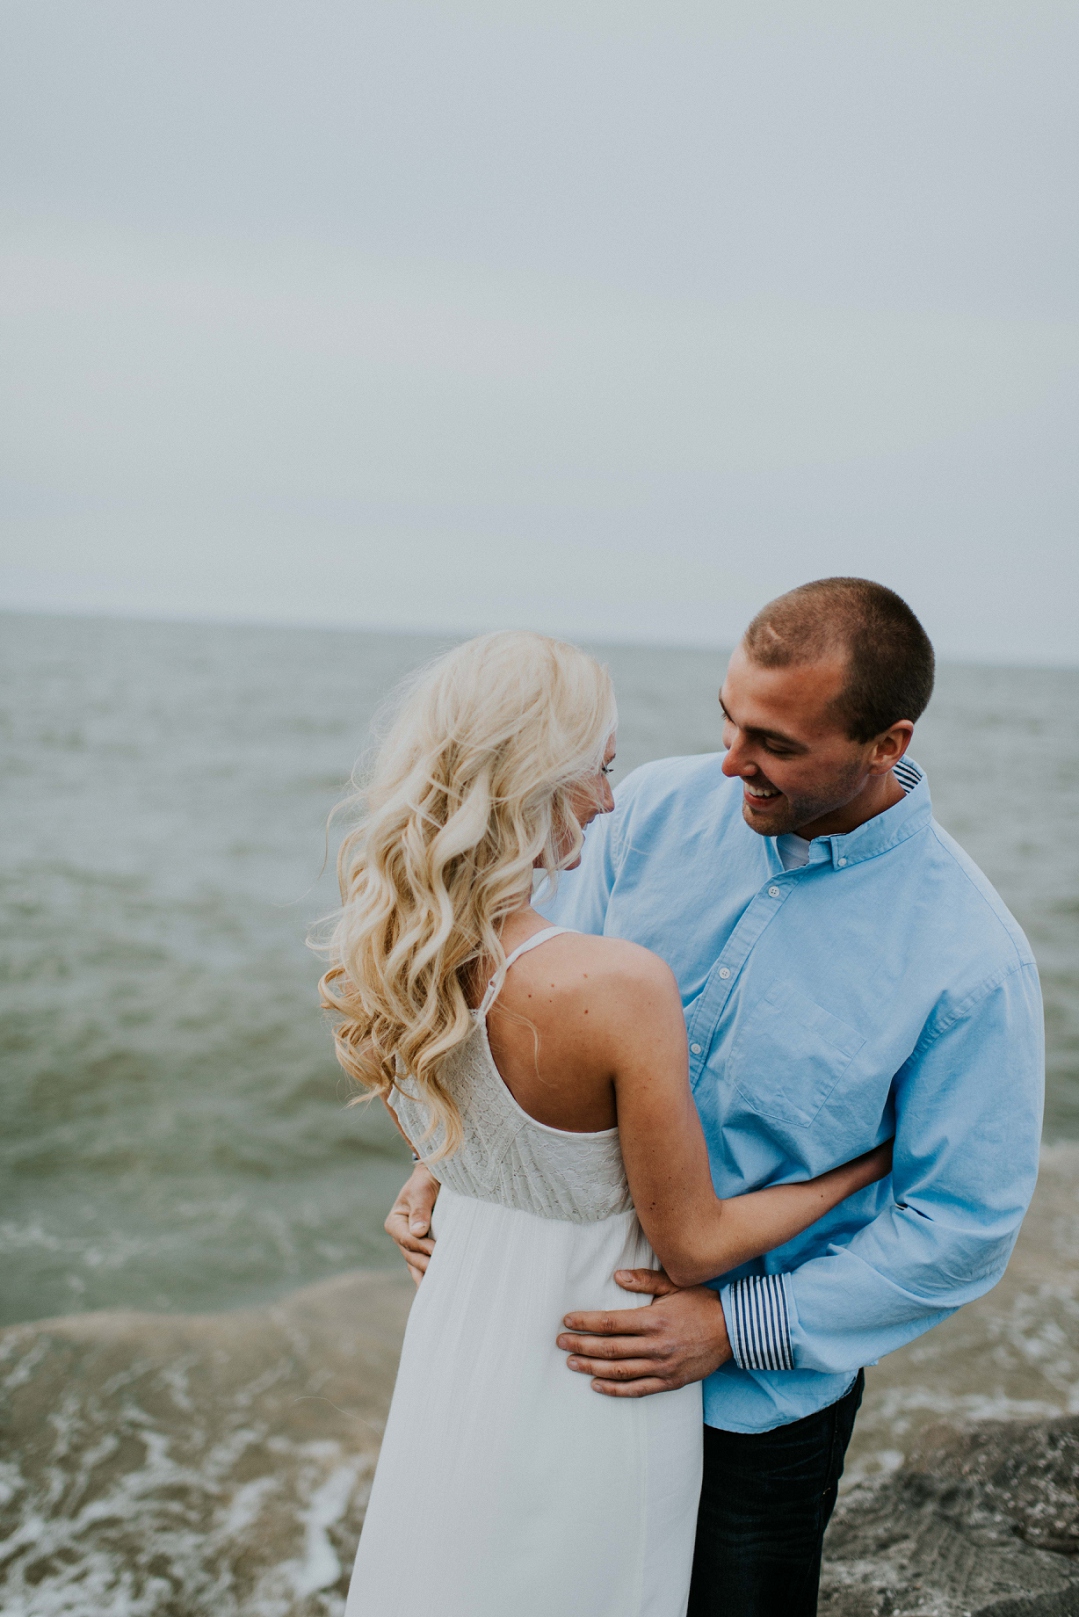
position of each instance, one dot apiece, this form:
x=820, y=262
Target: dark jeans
x=765, y=1502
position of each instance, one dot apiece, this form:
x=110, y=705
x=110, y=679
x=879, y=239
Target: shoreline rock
x=981, y=1521
x=1011, y=1355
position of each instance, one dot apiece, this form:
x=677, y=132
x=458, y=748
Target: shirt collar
x=912, y=814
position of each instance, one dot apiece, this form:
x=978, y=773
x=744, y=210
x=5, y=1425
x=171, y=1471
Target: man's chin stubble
x=778, y=823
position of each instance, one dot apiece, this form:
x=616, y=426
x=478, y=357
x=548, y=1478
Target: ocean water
x=175, y=1129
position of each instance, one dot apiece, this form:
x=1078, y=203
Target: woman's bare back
x=550, y=1029
x=588, y=1034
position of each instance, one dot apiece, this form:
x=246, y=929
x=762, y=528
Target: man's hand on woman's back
x=633, y=1353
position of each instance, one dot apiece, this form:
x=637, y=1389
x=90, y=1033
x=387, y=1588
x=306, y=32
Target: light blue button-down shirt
x=882, y=989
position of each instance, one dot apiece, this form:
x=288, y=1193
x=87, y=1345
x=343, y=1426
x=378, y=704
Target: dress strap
x=522, y=948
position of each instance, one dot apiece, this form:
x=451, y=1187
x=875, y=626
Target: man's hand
x=409, y=1220
x=682, y=1337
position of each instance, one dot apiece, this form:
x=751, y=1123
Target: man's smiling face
x=789, y=746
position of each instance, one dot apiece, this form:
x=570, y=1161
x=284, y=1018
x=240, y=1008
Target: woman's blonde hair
x=468, y=794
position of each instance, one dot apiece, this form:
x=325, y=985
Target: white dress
x=506, y=1485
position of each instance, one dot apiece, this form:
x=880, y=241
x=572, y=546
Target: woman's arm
x=695, y=1235
x=745, y=1227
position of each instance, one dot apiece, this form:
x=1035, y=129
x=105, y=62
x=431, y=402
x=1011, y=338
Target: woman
x=542, y=1076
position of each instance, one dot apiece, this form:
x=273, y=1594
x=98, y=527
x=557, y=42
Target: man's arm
x=968, y=1129
x=968, y=1125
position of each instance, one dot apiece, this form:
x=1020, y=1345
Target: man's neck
x=880, y=793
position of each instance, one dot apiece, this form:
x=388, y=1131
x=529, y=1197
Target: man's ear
x=890, y=746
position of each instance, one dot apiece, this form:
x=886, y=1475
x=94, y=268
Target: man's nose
x=735, y=761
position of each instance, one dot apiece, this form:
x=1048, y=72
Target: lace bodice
x=506, y=1156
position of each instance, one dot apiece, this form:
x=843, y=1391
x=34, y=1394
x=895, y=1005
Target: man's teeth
x=760, y=791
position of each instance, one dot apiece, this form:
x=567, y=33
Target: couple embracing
x=746, y=1097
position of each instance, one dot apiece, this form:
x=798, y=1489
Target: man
x=847, y=973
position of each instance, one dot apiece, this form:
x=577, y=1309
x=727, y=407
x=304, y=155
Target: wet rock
x=980, y=1520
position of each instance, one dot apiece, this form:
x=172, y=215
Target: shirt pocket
x=789, y=1055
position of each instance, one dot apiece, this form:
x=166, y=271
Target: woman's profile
x=543, y=1077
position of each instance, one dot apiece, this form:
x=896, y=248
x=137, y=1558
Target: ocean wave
x=176, y=1466
x=218, y=1465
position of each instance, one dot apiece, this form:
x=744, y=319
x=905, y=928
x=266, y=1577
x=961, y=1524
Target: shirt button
x=841, y=861
x=773, y=892
x=696, y=1049
x=724, y=972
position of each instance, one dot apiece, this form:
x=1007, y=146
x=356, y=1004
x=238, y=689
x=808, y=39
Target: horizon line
x=404, y=632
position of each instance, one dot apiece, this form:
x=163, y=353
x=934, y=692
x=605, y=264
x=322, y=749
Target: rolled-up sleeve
x=968, y=1108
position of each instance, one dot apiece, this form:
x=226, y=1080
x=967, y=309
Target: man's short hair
x=889, y=654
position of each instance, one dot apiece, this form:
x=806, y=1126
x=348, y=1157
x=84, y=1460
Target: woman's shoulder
x=596, y=971
x=617, y=957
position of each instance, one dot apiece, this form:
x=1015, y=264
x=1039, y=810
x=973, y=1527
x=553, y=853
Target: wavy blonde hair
x=469, y=793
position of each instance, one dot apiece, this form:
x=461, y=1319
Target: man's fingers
x=601, y=1347
x=413, y=1209
x=408, y=1222
x=417, y=1200
x=419, y=1207
x=626, y=1322
x=410, y=1245
x=397, y=1228
x=617, y=1370
x=631, y=1389
x=651, y=1281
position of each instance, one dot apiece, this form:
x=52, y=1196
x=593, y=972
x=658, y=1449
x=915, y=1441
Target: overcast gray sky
x=607, y=317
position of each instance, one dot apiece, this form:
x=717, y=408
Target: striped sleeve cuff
x=758, y=1323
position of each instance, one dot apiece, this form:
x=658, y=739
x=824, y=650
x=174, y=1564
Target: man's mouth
x=760, y=793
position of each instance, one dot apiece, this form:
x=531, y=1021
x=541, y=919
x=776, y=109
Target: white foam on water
x=217, y=1466
x=87, y=1576
x=320, y=1568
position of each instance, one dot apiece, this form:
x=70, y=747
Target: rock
x=1011, y=1355
x=980, y=1520
x=160, y=1465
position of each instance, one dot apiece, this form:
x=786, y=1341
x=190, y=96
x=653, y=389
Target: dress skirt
x=505, y=1484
